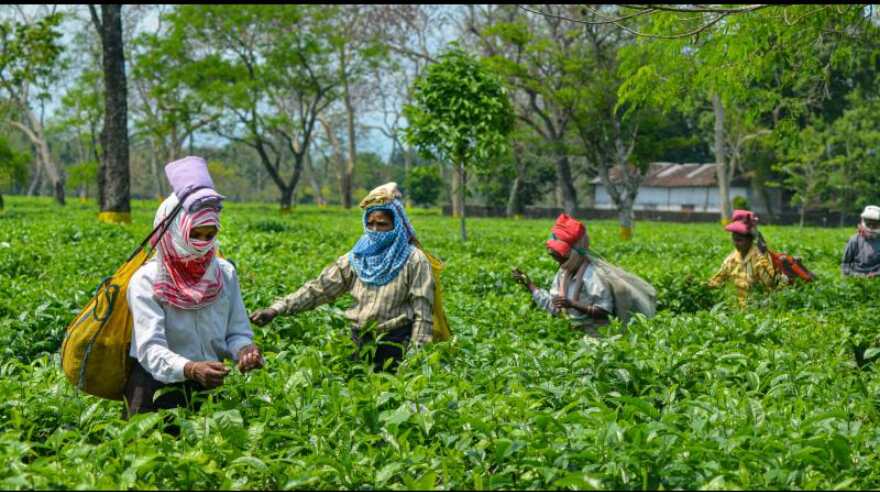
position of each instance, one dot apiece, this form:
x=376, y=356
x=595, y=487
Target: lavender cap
x=192, y=183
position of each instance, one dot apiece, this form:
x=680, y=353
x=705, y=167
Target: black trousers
x=142, y=387
x=390, y=345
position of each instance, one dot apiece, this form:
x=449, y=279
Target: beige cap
x=381, y=195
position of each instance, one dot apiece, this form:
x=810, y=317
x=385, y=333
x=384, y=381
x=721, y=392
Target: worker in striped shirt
x=389, y=278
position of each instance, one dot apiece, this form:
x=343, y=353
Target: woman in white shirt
x=188, y=315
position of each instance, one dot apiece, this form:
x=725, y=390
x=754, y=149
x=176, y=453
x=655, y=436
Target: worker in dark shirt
x=861, y=258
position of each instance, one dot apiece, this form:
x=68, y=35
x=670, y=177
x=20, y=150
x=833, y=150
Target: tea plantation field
x=704, y=395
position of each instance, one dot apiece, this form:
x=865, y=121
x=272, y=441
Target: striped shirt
x=407, y=299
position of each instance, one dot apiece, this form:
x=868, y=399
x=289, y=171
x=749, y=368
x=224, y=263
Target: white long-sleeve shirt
x=164, y=338
x=595, y=290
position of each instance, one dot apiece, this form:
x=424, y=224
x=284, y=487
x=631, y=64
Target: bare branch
x=96, y=20
x=699, y=9
x=649, y=9
x=582, y=21
x=27, y=131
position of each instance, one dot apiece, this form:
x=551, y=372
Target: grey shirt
x=861, y=256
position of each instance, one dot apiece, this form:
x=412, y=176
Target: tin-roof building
x=687, y=188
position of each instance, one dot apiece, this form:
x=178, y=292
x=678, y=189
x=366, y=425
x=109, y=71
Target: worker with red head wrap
x=578, y=290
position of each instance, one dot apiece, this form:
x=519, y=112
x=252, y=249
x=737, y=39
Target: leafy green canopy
x=777, y=57
x=29, y=52
x=13, y=164
x=461, y=112
x=423, y=185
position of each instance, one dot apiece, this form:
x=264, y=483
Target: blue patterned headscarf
x=378, y=256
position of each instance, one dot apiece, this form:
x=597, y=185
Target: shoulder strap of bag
x=161, y=227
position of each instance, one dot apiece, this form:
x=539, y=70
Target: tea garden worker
x=749, y=265
x=578, y=290
x=388, y=276
x=187, y=310
x=861, y=258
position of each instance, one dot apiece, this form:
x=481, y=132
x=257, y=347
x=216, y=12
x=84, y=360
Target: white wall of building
x=703, y=199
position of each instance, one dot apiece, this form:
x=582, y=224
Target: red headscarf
x=566, y=233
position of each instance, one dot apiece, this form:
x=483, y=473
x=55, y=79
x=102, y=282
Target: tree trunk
x=462, y=177
x=1, y=202
x=512, y=202
x=569, y=195
x=348, y=175
x=34, y=187
x=457, y=192
x=115, y=199
x=721, y=159
x=286, y=199
x=313, y=180
x=33, y=129
x=55, y=180
x=626, y=218
x=345, y=188
x=803, y=213
x=407, y=170
x=157, y=175
x=59, y=191
x=337, y=156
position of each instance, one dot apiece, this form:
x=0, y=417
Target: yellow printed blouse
x=755, y=269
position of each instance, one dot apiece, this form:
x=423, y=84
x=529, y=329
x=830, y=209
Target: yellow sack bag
x=441, y=331
x=94, y=353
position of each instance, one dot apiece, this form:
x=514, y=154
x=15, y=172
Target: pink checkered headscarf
x=189, y=273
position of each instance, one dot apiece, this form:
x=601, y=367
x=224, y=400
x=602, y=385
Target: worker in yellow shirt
x=749, y=264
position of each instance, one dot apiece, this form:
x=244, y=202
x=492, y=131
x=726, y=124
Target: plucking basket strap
x=166, y=222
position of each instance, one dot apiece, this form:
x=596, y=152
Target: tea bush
x=704, y=395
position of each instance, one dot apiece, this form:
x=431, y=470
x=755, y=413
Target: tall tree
x=267, y=71
x=534, y=54
x=167, y=111
x=113, y=172
x=409, y=31
x=750, y=67
x=806, y=168
x=460, y=113
x=29, y=65
x=852, y=154
x=357, y=49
